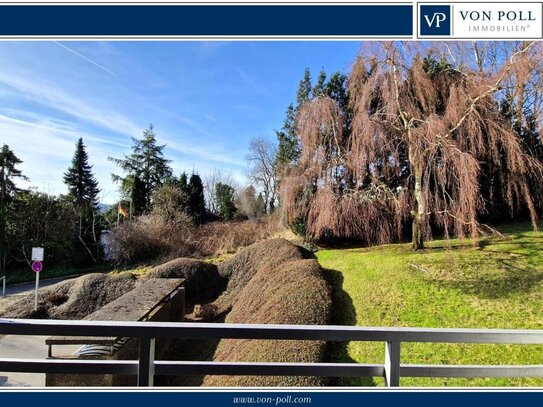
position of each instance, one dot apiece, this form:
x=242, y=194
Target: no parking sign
x=37, y=266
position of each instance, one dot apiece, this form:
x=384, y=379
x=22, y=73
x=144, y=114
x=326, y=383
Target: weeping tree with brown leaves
x=423, y=122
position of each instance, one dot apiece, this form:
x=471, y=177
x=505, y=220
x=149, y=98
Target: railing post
x=146, y=365
x=392, y=364
x=4, y=287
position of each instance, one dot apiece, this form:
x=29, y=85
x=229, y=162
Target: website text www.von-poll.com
x=276, y=401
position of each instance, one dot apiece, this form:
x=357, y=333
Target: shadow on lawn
x=500, y=266
x=491, y=286
x=343, y=313
x=503, y=271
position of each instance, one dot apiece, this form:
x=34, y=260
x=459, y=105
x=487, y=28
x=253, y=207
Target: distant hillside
x=103, y=208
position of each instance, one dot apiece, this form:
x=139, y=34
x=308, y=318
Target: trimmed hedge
x=203, y=283
x=280, y=288
x=73, y=299
x=240, y=268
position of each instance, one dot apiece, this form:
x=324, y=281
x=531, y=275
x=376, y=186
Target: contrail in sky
x=84, y=57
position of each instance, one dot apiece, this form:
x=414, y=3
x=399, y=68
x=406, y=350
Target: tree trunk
x=418, y=213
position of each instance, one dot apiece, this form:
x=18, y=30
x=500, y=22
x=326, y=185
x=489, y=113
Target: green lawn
x=497, y=283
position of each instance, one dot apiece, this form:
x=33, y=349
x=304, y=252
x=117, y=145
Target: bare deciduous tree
x=218, y=176
x=425, y=119
x=261, y=157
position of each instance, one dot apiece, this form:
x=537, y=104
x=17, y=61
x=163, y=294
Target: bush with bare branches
x=227, y=237
x=154, y=237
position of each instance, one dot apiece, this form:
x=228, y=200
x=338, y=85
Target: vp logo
x=434, y=20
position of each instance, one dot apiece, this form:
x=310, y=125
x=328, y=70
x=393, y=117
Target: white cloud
x=54, y=98
x=46, y=151
x=50, y=96
x=205, y=153
x=49, y=110
x=46, y=147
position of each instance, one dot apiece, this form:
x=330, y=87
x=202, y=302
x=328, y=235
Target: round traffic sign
x=37, y=266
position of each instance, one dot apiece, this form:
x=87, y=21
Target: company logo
x=481, y=20
x=435, y=20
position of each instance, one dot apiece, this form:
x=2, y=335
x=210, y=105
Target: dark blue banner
x=264, y=398
x=207, y=20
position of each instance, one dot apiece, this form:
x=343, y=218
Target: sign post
x=37, y=266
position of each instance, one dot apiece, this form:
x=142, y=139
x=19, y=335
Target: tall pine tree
x=8, y=174
x=82, y=184
x=196, y=200
x=288, y=150
x=320, y=86
x=304, y=89
x=146, y=163
x=138, y=194
x=83, y=192
x=183, y=182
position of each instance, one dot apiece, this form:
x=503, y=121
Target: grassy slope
x=496, y=284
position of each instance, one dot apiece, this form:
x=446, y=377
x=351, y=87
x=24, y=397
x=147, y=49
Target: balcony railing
x=146, y=367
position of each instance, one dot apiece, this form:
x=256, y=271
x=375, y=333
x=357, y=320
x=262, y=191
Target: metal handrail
x=146, y=368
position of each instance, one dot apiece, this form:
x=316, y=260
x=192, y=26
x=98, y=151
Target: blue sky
x=206, y=100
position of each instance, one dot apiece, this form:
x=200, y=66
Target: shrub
x=151, y=237
x=73, y=299
x=170, y=201
x=227, y=237
x=240, y=268
x=293, y=292
x=202, y=280
x=156, y=237
x=299, y=227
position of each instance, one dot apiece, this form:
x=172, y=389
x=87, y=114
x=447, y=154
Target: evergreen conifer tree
x=320, y=86
x=146, y=163
x=8, y=174
x=183, y=182
x=304, y=89
x=83, y=193
x=288, y=149
x=225, y=201
x=196, y=200
x=82, y=184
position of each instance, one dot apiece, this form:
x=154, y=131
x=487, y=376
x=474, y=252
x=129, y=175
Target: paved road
x=26, y=347
x=26, y=287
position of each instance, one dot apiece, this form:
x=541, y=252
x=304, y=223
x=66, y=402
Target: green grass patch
x=489, y=283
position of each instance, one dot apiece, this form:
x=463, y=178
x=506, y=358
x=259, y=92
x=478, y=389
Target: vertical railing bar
x=3, y=286
x=146, y=363
x=392, y=364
